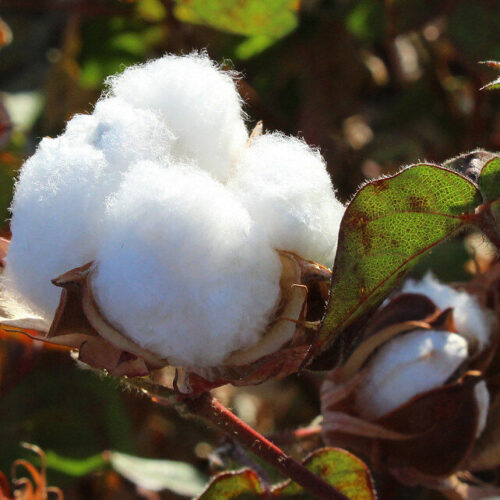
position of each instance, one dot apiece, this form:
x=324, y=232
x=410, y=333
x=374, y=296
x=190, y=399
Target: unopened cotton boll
x=470, y=320
x=57, y=211
x=196, y=101
x=183, y=270
x=286, y=188
x=406, y=366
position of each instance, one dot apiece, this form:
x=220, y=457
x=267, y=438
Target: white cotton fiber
x=470, y=320
x=57, y=210
x=126, y=134
x=406, y=366
x=183, y=270
x=285, y=186
x=196, y=101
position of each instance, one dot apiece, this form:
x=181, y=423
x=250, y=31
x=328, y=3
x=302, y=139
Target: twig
x=212, y=410
x=217, y=414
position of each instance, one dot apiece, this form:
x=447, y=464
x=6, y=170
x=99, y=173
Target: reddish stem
x=212, y=410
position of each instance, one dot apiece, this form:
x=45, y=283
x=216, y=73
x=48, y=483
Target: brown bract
x=433, y=436
x=79, y=323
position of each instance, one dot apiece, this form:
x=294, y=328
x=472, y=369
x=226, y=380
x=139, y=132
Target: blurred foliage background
x=375, y=84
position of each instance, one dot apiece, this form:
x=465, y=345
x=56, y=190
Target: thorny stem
x=209, y=408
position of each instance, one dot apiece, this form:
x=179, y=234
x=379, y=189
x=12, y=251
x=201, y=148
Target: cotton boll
x=406, y=366
x=126, y=134
x=285, y=186
x=57, y=210
x=183, y=270
x=196, y=101
x=470, y=320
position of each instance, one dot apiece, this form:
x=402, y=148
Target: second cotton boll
x=180, y=212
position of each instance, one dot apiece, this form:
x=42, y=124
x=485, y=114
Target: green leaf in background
x=262, y=21
x=243, y=484
x=473, y=28
x=151, y=474
x=75, y=467
x=489, y=180
x=489, y=185
x=111, y=43
x=387, y=227
x=367, y=20
x=157, y=475
x=340, y=469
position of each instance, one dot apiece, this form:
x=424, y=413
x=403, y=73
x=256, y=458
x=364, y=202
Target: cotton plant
x=192, y=243
x=171, y=248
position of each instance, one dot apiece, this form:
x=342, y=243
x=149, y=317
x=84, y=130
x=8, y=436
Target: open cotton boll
x=196, y=101
x=285, y=186
x=182, y=269
x=126, y=134
x=406, y=366
x=470, y=320
x=57, y=209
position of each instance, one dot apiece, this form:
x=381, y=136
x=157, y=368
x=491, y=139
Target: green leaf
x=252, y=46
x=489, y=180
x=241, y=485
x=387, y=227
x=263, y=22
x=367, y=20
x=157, y=475
x=75, y=467
x=489, y=185
x=340, y=469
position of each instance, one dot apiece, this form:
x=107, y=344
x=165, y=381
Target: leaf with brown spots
x=342, y=470
x=243, y=484
x=387, y=227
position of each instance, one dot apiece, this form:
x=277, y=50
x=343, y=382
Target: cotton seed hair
x=182, y=214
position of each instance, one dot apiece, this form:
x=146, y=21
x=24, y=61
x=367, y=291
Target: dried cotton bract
x=181, y=214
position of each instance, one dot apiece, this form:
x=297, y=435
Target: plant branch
x=210, y=409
